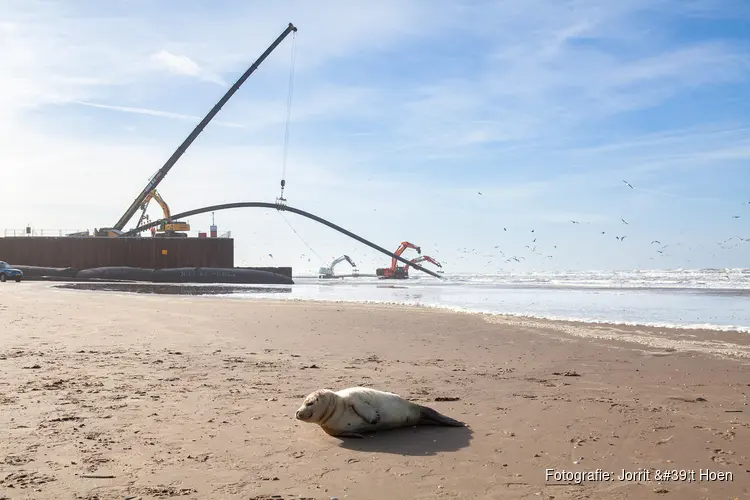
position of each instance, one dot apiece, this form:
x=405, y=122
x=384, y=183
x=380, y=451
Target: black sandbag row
x=284, y=271
x=39, y=272
x=186, y=275
x=117, y=273
x=174, y=275
x=219, y=275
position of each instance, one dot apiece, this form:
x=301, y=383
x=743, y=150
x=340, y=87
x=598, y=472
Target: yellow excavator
x=168, y=228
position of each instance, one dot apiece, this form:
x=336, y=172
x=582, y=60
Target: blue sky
x=403, y=112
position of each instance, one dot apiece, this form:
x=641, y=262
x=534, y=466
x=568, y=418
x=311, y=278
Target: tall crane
x=154, y=181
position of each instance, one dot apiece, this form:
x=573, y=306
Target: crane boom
x=156, y=179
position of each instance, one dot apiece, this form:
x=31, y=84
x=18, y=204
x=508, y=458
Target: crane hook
x=281, y=201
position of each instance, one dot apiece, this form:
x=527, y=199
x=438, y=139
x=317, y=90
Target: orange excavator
x=395, y=271
x=423, y=258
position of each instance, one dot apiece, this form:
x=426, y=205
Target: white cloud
x=182, y=65
x=153, y=112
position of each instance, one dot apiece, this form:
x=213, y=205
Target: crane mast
x=159, y=176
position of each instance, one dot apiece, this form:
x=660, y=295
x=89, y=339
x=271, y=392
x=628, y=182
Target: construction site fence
x=59, y=233
x=45, y=232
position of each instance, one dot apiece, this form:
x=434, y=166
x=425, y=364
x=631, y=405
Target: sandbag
x=119, y=273
x=243, y=276
x=40, y=271
x=174, y=275
x=219, y=275
x=283, y=271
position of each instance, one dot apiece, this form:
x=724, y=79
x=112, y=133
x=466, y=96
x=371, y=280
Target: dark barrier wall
x=83, y=253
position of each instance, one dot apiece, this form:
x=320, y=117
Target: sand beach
x=109, y=395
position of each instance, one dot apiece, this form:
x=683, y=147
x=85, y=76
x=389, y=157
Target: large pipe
x=277, y=206
x=156, y=179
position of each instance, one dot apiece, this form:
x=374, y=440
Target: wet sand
x=109, y=395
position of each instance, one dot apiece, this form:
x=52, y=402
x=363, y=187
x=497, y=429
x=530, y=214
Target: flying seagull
x=656, y=241
x=735, y=216
x=628, y=184
x=575, y=222
x=624, y=221
x=621, y=238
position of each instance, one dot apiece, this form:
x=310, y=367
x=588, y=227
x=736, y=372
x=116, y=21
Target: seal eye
x=309, y=403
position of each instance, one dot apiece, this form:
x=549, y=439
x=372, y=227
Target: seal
x=350, y=412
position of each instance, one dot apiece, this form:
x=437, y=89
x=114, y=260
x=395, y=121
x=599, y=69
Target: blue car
x=7, y=272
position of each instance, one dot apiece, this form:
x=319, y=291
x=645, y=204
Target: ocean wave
x=729, y=278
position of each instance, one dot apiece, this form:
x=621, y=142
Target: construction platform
x=137, y=252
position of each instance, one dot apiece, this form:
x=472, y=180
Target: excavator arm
x=401, y=249
x=163, y=204
x=167, y=224
x=341, y=259
x=423, y=258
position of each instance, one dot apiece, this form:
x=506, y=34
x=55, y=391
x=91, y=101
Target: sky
x=478, y=130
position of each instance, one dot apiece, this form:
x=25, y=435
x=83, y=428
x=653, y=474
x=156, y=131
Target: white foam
x=730, y=278
x=695, y=299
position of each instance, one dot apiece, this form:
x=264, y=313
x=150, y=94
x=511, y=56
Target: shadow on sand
x=412, y=441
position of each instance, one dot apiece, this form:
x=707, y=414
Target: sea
x=717, y=299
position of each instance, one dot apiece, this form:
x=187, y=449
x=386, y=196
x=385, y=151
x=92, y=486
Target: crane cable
x=299, y=236
x=281, y=198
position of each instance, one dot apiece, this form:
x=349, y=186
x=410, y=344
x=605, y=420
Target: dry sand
x=113, y=396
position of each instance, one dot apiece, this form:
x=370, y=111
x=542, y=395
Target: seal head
x=315, y=406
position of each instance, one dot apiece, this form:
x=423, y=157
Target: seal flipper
x=348, y=434
x=369, y=413
x=343, y=434
x=429, y=416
